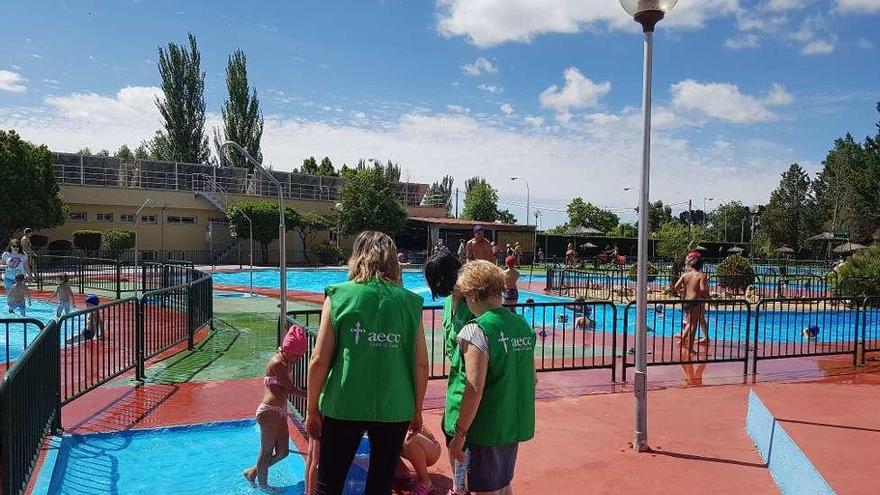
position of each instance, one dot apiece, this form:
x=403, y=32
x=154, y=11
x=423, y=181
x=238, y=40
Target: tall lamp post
x=527, y=195
x=647, y=13
x=136, y=215
x=282, y=233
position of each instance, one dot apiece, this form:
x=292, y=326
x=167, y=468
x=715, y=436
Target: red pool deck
x=837, y=426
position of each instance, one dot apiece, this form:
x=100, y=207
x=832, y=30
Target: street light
x=282, y=233
x=527, y=195
x=338, y=208
x=136, y=215
x=647, y=13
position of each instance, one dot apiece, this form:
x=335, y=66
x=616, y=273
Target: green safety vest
x=453, y=322
x=507, y=409
x=371, y=377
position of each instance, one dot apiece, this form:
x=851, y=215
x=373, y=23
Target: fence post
x=139, y=368
x=190, y=333
x=118, y=280
x=859, y=348
x=56, y=393
x=81, y=272
x=755, y=340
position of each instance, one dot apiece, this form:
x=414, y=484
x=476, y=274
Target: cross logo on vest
x=357, y=331
x=376, y=339
x=503, y=339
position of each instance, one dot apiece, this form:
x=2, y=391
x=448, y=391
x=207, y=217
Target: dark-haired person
x=441, y=273
x=28, y=249
x=14, y=261
x=693, y=286
x=369, y=368
x=479, y=248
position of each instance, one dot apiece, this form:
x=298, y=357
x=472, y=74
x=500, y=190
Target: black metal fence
x=29, y=409
x=20, y=333
x=721, y=334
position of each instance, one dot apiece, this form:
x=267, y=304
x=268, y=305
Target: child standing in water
x=94, y=320
x=18, y=295
x=271, y=414
x=64, y=296
x=511, y=276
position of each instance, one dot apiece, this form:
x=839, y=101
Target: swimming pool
x=19, y=334
x=315, y=280
x=196, y=459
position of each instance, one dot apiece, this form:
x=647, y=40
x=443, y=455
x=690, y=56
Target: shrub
x=736, y=273
x=87, y=240
x=39, y=241
x=60, y=246
x=860, y=275
x=327, y=254
x=117, y=240
x=633, y=272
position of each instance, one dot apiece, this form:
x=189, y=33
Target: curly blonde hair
x=373, y=256
x=480, y=280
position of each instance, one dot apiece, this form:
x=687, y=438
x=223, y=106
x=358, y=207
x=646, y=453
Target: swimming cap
x=510, y=261
x=693, y=258
x=295, y=342
x=92, y=299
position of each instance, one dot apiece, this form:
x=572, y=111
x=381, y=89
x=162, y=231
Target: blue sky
x=545, y=89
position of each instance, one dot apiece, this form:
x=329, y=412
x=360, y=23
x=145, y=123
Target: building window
x=77, y=216
x=126, y=218
x=105, y=217
x=219, y=221
x=148, y=218
x=178, y=220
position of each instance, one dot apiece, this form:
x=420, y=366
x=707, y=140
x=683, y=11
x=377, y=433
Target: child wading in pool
x=94, y=320
x=693, y=286
x=18, y=295
x=271, y=414
x=64, y=295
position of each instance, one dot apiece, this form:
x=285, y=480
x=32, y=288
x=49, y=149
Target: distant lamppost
x=136, y=215
x=647, y=13
x=528, y=194
x=338, y=208
x=282, y=234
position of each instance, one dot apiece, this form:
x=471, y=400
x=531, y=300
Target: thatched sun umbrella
x=848, y=247
x=735, y=249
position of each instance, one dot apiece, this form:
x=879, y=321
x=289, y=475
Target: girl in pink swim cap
x=271, y=414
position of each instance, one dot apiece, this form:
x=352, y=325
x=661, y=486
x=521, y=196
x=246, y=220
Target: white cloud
x=507, y=108
x=858, y=6
x=480, y=66
x=534, y=121
x=578, y=92
x=491, y=89
x=492, y=22
x=358, y=115
x=779, y=5
x=597, y=156
x=817, y=47
x=726, y=102
x=742, y=42
x=36, y=55
x=12, y=82
x=458, y=109
x=865, y=44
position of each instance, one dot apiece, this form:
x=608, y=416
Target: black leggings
x=339, y=443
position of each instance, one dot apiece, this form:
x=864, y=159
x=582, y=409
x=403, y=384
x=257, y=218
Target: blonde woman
x=369, y=368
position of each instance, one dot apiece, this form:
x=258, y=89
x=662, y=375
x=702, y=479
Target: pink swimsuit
x=263, y=407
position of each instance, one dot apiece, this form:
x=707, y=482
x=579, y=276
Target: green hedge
x=87, y=240
x=736, y=273
x=118, y=239
x=327, y=254
x=860, y=275
x=60, y=246
x=39, y=241
x=633, y=272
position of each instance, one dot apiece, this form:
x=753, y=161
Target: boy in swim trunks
x=18, y=295
x=94, y=321
x=64, y=296
x=511, y=276
x=693, y=286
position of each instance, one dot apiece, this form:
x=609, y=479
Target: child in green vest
x=490, y=396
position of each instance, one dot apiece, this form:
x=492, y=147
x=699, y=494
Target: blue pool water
x=316, y=280
x=13, y=346
x=204, y=459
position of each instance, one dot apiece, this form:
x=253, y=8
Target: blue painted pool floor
x=204, y=459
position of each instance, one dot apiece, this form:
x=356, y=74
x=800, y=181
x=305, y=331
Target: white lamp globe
x=633, y=7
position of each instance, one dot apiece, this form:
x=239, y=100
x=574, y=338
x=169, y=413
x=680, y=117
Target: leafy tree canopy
x=590, y=215
x=481, y=201
x=242, y=118
x=29, y=195
x=264, y=215
x=369, y=202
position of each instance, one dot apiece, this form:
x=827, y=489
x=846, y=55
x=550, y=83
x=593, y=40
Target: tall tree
x=590, y=215
x=308, y=225
x=124, y=153
x=29, y=195
x=658, y=215
x=326, y=168
x=481, y=202
x=183, y=106
x=439, y=194
x=506, y=217
x=141, y=153
x=369, y=202
x=726, y=222
x=692, y=217
x=309, y=166
x=790, y=215
x=242, y=118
